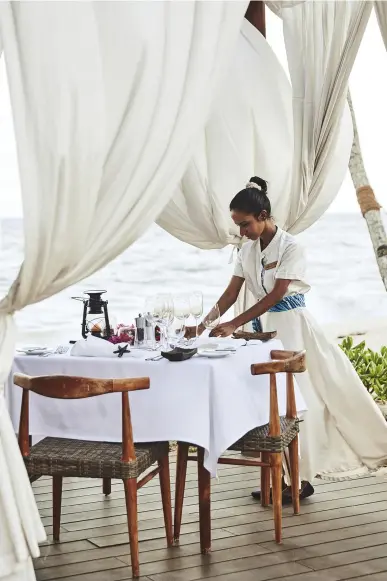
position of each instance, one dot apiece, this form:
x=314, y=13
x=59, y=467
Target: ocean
x=342, y=271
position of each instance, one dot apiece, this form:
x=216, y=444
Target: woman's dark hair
x=252, y=200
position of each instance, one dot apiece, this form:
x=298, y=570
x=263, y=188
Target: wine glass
x=212, y=320
x=181, y=307
x=159, y=314
x=196, y=307
x=167, y=315
x=178, y=332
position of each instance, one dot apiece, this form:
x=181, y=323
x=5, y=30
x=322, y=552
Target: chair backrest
x=288, y=362
x=71, y=387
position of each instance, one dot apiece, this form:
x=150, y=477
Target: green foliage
x=371, y=367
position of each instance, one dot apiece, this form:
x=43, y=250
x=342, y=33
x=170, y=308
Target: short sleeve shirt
x=285, y=258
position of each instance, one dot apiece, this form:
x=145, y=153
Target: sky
x=368, y=84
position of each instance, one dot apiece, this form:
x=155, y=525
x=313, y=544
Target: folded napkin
x=96, y=347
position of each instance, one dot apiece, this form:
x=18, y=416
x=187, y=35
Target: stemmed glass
x=159, y=314
x=167, y=317
x=196, y=307
x=178, y=334
x=212, y=320
x=182, y=312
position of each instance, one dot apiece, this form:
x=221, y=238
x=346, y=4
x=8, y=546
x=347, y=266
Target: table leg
x=204, y=481
x=181, y=476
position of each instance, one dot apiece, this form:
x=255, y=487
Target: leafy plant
x=371, y=367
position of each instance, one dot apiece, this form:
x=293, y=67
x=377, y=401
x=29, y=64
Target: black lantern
x=95, y=318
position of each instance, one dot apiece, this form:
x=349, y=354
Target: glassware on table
x=164, y=315
x=177, y=335
x=196, y=308
x=182, y=312
x=212, y=320
x=169, y=317
x=181, y=307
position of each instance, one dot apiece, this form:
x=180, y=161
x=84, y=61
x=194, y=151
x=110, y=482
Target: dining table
x=208, y=402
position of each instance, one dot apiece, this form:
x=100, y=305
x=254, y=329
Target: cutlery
x=60, y=350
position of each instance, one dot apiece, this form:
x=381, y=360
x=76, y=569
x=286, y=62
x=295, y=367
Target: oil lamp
x=95, y=319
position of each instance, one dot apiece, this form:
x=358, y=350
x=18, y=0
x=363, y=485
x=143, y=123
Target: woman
x=344, y=433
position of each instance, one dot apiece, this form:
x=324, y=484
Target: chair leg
x=204, y=481
x=106, y=486
x=265, y=480
x=57, y=482
x=130, y=486
x=295, y=474
x=276, y=479
x=181, y=474
x=165, y=486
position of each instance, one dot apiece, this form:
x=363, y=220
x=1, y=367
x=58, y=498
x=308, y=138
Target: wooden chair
x=270, y=441
x=59, y=457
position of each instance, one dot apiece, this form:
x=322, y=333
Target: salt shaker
x=140, y=329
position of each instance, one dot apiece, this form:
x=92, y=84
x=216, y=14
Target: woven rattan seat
x=88, y=459
x=259, y=440
x=266, y=445
x=62, y=457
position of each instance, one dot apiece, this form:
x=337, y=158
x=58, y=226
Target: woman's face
x=249, y=225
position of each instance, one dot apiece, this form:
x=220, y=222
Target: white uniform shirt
x=284, y=251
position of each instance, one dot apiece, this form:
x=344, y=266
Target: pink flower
x=125, y=337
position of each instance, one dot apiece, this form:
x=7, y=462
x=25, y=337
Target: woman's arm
x=270, y=300
x=226, y=301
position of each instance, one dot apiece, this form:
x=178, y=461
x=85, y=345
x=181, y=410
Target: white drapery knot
x=6, y=306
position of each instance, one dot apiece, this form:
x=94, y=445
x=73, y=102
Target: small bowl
x=179, y=354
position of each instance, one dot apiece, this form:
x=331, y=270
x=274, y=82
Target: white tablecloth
x=207, y=402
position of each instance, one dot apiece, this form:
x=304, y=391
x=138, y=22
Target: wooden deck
x=341, y=533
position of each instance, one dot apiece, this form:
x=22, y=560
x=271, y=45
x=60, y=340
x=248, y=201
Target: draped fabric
x=249, y=133
x=320, y=61
x=277, y=6
x=108, y=101
x=299, y=138
x=381, y=13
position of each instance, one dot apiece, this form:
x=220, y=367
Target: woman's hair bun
x=260, y=182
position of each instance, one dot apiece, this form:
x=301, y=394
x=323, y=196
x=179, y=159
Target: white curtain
x=250, y=132
x=108, y=101
x=322, y=40
x=258, y=127
x=381, y=13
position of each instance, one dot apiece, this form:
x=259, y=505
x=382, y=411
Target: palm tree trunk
x=369, y=206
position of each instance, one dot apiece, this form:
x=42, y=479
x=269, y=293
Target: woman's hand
x=224, y=330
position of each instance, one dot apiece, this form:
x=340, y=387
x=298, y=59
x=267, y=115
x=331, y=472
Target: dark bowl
x=179, y=354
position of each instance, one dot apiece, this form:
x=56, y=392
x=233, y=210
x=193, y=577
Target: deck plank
x=341, y=533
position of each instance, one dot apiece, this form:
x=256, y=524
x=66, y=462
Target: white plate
x=213, y=354
x=32, y=351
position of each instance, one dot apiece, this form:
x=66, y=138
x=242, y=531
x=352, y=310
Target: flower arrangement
x=126, y=336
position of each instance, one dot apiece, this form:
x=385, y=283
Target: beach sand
x=373, y=332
